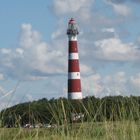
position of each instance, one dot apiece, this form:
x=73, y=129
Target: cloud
x=2, y=76
x=111, y=30
x=29, y=97
x=122, y=10
x=135, y=80
x=117, y=1
x=119, y=7
x=116, y=84
x=81, y=9
x=123, y=1
x=85, y=69
x=114, y=49
x=56, y=34
x=41, y=56
x=92, y=85
x=2, y=91
x=6, y=97
x=70, y=6
x=5, y=51
x=29, y=37
x=33, y=59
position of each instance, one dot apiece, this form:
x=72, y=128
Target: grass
x=124, y=130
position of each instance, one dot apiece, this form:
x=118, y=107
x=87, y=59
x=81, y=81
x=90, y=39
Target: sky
x=34, y=48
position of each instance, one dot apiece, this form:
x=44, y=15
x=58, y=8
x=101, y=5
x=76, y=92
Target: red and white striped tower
x=74, y=81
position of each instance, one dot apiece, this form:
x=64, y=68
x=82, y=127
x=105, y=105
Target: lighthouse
x=74, y=81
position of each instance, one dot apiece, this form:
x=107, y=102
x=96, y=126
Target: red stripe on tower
x=74, y=81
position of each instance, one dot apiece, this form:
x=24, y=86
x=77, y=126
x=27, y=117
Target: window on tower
x=72, y=29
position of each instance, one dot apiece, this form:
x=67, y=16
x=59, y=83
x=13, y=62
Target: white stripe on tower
x=72, y=38
x=74, y=75
x=73, y=56
x=75, y=95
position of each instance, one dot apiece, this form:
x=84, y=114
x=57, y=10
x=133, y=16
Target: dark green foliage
x=59, y=111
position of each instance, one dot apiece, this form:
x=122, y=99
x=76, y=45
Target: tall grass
x=95, y=124
x=125, y=130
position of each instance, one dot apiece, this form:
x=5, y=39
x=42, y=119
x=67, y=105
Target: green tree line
x=60, y=111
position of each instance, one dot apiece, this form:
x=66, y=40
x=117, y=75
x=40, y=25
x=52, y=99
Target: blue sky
x=14, y=13
x=33, y=48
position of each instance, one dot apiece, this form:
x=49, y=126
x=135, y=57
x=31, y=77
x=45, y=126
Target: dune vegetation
x=108, y=118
